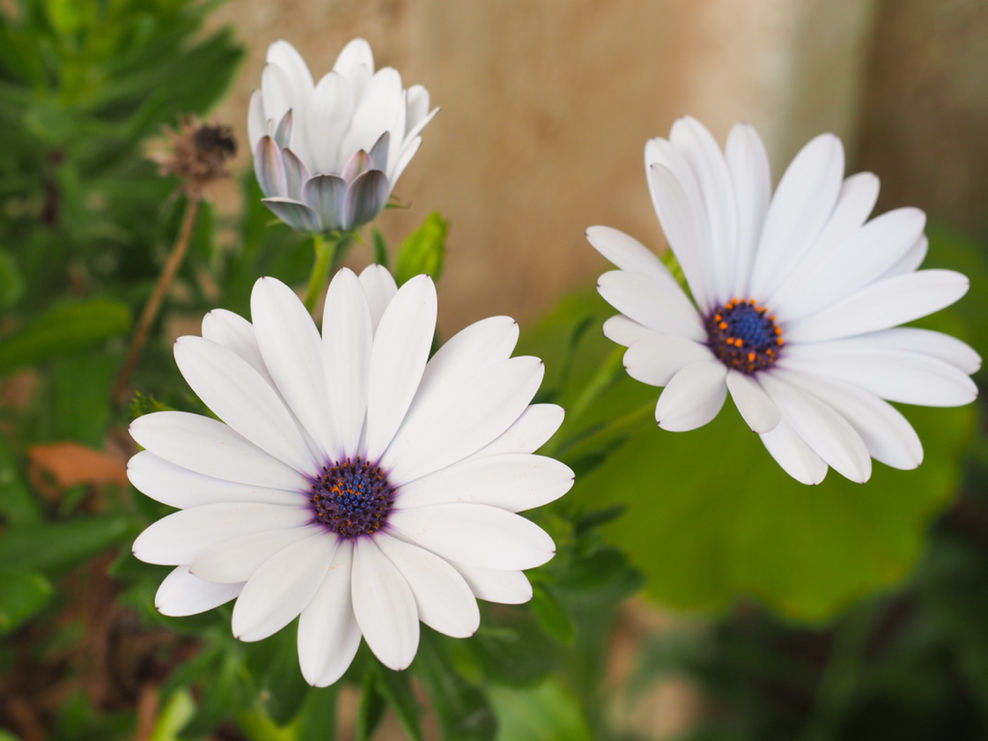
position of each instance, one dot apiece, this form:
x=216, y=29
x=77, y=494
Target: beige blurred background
x=547, y=104
x=546, y=107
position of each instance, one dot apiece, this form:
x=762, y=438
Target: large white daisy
x=796, y=299
x=352, y=480
x=327, y=155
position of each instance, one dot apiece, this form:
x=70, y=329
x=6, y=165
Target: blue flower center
x=743, y=335
x=352, y=498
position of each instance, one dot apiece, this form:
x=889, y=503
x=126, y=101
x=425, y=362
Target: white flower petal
x=758, y=410
x=829, y=435
x=896, y=375
x=357, y=53
x=799, y=210
x=269, y=168
x=380, y=287
x=627, y=253
x=676, y=199
x=454, y=368
x=442, y=597
x=417, y=108
x=692, y=397
x=212, y=448
x=238, y=395
x=235, y=333
x=704, y=156
x=398, y=357
x=889, y=436
x=476, y=535
x=285, y=56
x=282, y=587
x=909, y=339
x=655, y=359
x=912, y=259
x=347, y=338
x=408, y=151
x=235, y=560
x=182, y=594
x=530, y=431
x=294, y=213
x=514, y=482
x=379, y=106
x=181, y=536
x=257, y=124
x=466, y=420
x=625, y=331
x=659, y=307
x=751, y=177
x=883, y=304
x=328, y=634
x=292, y=351
x=278, y=91
x=857, y=197
x=505, y=587
x=384, y=605
x=824, y=277
x=179, y=487
x=328, y=117
x=794, y=455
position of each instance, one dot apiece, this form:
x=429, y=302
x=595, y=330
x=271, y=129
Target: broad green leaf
x=711, y=515
x=510, y=647
x=23, y=593
x=219, y=699
x=543, y=713
x=52, y=547
x=62, y=331
x=423, y=251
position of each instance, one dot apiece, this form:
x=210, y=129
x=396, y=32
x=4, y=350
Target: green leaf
x=552, y=616
x=52, y=547
x=396, y=688
x=23, y=594
x=18, y=504
x=379, y=247
x=423, y=251
x=274, y=665
x=177, y=712
x=11, y=283
x=462, y=709
x=543, y=713
x=62, y=331
x=318, y=717
x=711, y=515
x=219, y=700
x=370, y=711
x=511, y=648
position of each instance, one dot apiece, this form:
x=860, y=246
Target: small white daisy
x=352, y=480
x=327, y=155
x=795, y=304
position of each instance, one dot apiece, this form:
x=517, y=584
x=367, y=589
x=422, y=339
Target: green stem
x=330, y=249
x=602, y=379
x=257, y=726
x=614, y=429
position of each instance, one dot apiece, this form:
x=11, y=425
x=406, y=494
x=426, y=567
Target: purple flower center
x=352, y=498
x=743, y=335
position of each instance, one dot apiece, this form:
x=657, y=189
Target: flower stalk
x=157, y=297
x=330, y=250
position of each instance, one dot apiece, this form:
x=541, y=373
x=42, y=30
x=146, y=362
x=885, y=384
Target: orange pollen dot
x=751, y=357
x=722, y=325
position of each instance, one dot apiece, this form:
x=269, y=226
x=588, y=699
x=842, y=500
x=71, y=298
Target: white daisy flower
x=795, y=304
x=328, y=155
x=353, y=481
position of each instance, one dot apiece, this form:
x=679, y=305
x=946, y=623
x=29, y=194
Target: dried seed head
x=197, y=153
